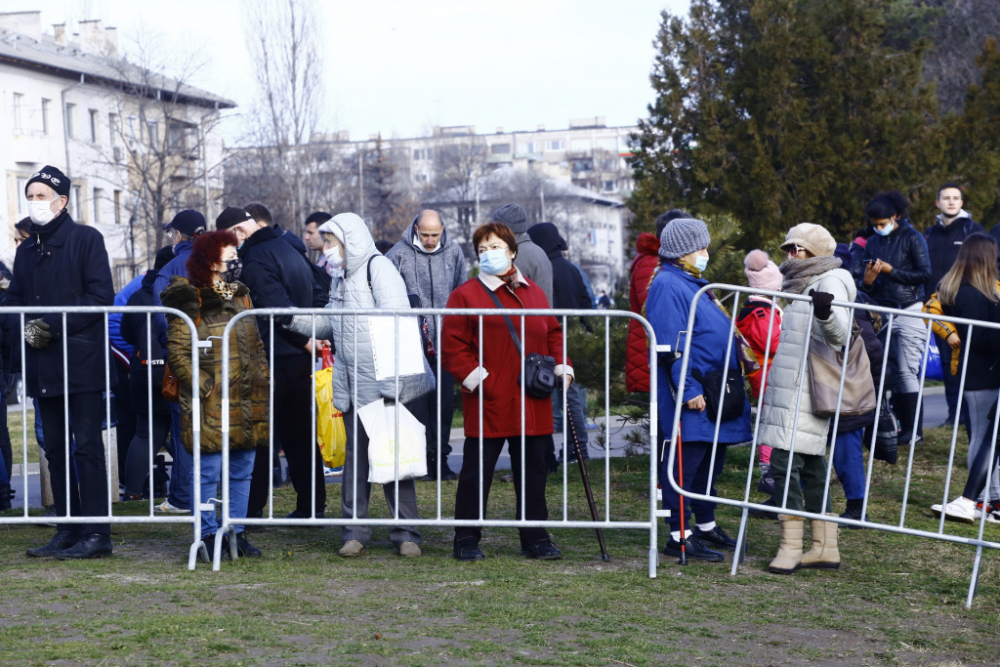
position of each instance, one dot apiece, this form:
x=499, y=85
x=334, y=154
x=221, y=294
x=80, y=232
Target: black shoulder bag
x=539, y=379
x=732, y=394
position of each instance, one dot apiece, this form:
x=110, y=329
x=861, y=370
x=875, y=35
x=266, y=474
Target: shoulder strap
x=510, y=325
x=370, y=260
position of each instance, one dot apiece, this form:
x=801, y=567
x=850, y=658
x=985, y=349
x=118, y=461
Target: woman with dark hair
x=494, y=377
x=212, y=296
x=969, y=290
x=893, y=271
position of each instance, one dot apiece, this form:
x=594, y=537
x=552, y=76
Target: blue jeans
x=240, y=471
x=849, y=463
x=182, y=471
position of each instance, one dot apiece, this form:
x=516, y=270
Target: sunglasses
x=793, y=249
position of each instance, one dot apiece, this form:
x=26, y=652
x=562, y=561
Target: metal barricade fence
x=321, y=323
x=965, y=326
x=112, y=488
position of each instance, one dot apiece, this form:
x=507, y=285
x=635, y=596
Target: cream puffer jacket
x=788, y=374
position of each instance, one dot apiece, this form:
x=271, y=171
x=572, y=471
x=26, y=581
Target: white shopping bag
x=379, y=421
x=382, y=329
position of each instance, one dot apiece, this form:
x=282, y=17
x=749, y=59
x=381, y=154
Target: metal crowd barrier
x=109, y=456
x=440, y=518
x=966, y=327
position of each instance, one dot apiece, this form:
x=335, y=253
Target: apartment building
x=138, y=146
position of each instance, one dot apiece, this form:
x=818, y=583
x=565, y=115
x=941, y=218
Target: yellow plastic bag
x=329, y=422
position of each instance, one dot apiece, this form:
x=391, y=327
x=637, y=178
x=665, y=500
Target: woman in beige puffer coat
x=787, y=424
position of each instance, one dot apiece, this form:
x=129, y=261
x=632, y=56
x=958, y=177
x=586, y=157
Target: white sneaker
x=166, y=508
x=659, y=494
x=960, y=509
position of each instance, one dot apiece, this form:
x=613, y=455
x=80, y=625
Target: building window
x=75, y=203
x=422, y=154
x=131, y=132
x=118, y=207
x=525, y=147
x=45, y=115
x=177, y=138
x=113, y=129
x=154, y=132
x=22, y=203
x=580, y=145
x=70, y=112
x=122, y=275
x=93, y=126
x=557, y=145
x=609, y=186
x=18, y=103
x=608, y=144
x=499, y=149
x=98, y=196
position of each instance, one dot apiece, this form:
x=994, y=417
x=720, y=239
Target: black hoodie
x=568, y=290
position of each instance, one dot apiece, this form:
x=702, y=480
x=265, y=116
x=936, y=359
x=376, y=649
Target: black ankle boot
x=5, y=496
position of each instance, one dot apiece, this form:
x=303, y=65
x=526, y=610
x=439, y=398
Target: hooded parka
x=644, y=266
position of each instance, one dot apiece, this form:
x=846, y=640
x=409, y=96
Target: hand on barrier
x=821, y=302
x=697, y=403
x=37, y=334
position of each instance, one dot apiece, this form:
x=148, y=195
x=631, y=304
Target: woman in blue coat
x=684, y=255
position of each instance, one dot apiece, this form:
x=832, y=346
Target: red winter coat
x=501, y=392
x=647, y=259
x=753, y=321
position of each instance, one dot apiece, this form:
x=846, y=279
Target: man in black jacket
x=279, y=277
x=895, y=269
x=321, y=280
x=569, y=292
x=954, y=225
x=66, y=264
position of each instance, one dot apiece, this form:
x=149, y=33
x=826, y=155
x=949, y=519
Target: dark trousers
x=440, y=429
x=981, y=469
x=951, y=383
x=806, y=483
x=127, y=419
x=292, y=414
x=697, y=460
x=136, y=469
x=5, y=446
x=88, y=489
x=469, y=483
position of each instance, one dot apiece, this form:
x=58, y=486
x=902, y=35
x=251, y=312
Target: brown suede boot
x=789, y=558
x=824, y=554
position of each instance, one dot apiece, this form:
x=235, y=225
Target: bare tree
x=158, y=128
x=283, y=40
x=458, y=166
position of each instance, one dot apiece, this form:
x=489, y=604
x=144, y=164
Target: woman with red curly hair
x=212, y=296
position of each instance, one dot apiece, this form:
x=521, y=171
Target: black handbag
x=732, y=395
x=539, y=378
x=887, y=435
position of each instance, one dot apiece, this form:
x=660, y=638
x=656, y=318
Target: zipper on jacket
x=430, y=270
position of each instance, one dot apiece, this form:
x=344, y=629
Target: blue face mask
x=885, y=231
x=701, y=262
x=494, y=262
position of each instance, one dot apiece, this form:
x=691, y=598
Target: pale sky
x=399, y=67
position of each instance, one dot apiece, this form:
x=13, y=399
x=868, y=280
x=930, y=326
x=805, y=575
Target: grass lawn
x=14, y=425
x=896, y=600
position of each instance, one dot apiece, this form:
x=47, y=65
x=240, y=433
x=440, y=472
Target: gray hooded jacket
x=350, y=334
x=534, y=263
x=430, y=275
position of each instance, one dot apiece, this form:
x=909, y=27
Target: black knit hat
x=513, y=216
x=231, y=217
x=53, y=178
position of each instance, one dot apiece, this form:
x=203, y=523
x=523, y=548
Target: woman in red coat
x=644, y=266
x=493, y=379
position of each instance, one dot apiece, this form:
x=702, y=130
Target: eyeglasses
x=495, y=246
x=793, y=249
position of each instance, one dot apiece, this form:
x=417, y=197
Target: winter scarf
x=797, y=272
x=224, y=290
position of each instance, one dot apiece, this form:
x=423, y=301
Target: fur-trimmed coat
x=248, y=371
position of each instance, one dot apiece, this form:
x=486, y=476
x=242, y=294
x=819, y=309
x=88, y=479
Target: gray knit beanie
x=682, y=237
x=514, y=217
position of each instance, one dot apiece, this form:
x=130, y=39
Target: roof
x=502, y=182
x=70, y=62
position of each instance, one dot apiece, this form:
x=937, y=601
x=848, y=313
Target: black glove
x=36, y=334
x=283, y=321
x=821, y=304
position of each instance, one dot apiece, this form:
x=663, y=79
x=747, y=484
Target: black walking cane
x=586, y=486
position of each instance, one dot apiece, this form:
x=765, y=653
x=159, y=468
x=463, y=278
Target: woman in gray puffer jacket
x=350, y=250
x=787, y=424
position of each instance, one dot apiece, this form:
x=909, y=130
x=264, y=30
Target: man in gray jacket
x=432, y=266
x=531, y=260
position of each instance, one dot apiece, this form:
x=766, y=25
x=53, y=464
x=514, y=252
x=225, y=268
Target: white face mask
x=334, y=257
x=40, y=212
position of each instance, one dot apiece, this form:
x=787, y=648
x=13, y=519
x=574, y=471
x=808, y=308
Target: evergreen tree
x=784, y=111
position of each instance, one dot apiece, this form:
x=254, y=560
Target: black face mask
x=234, y=267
